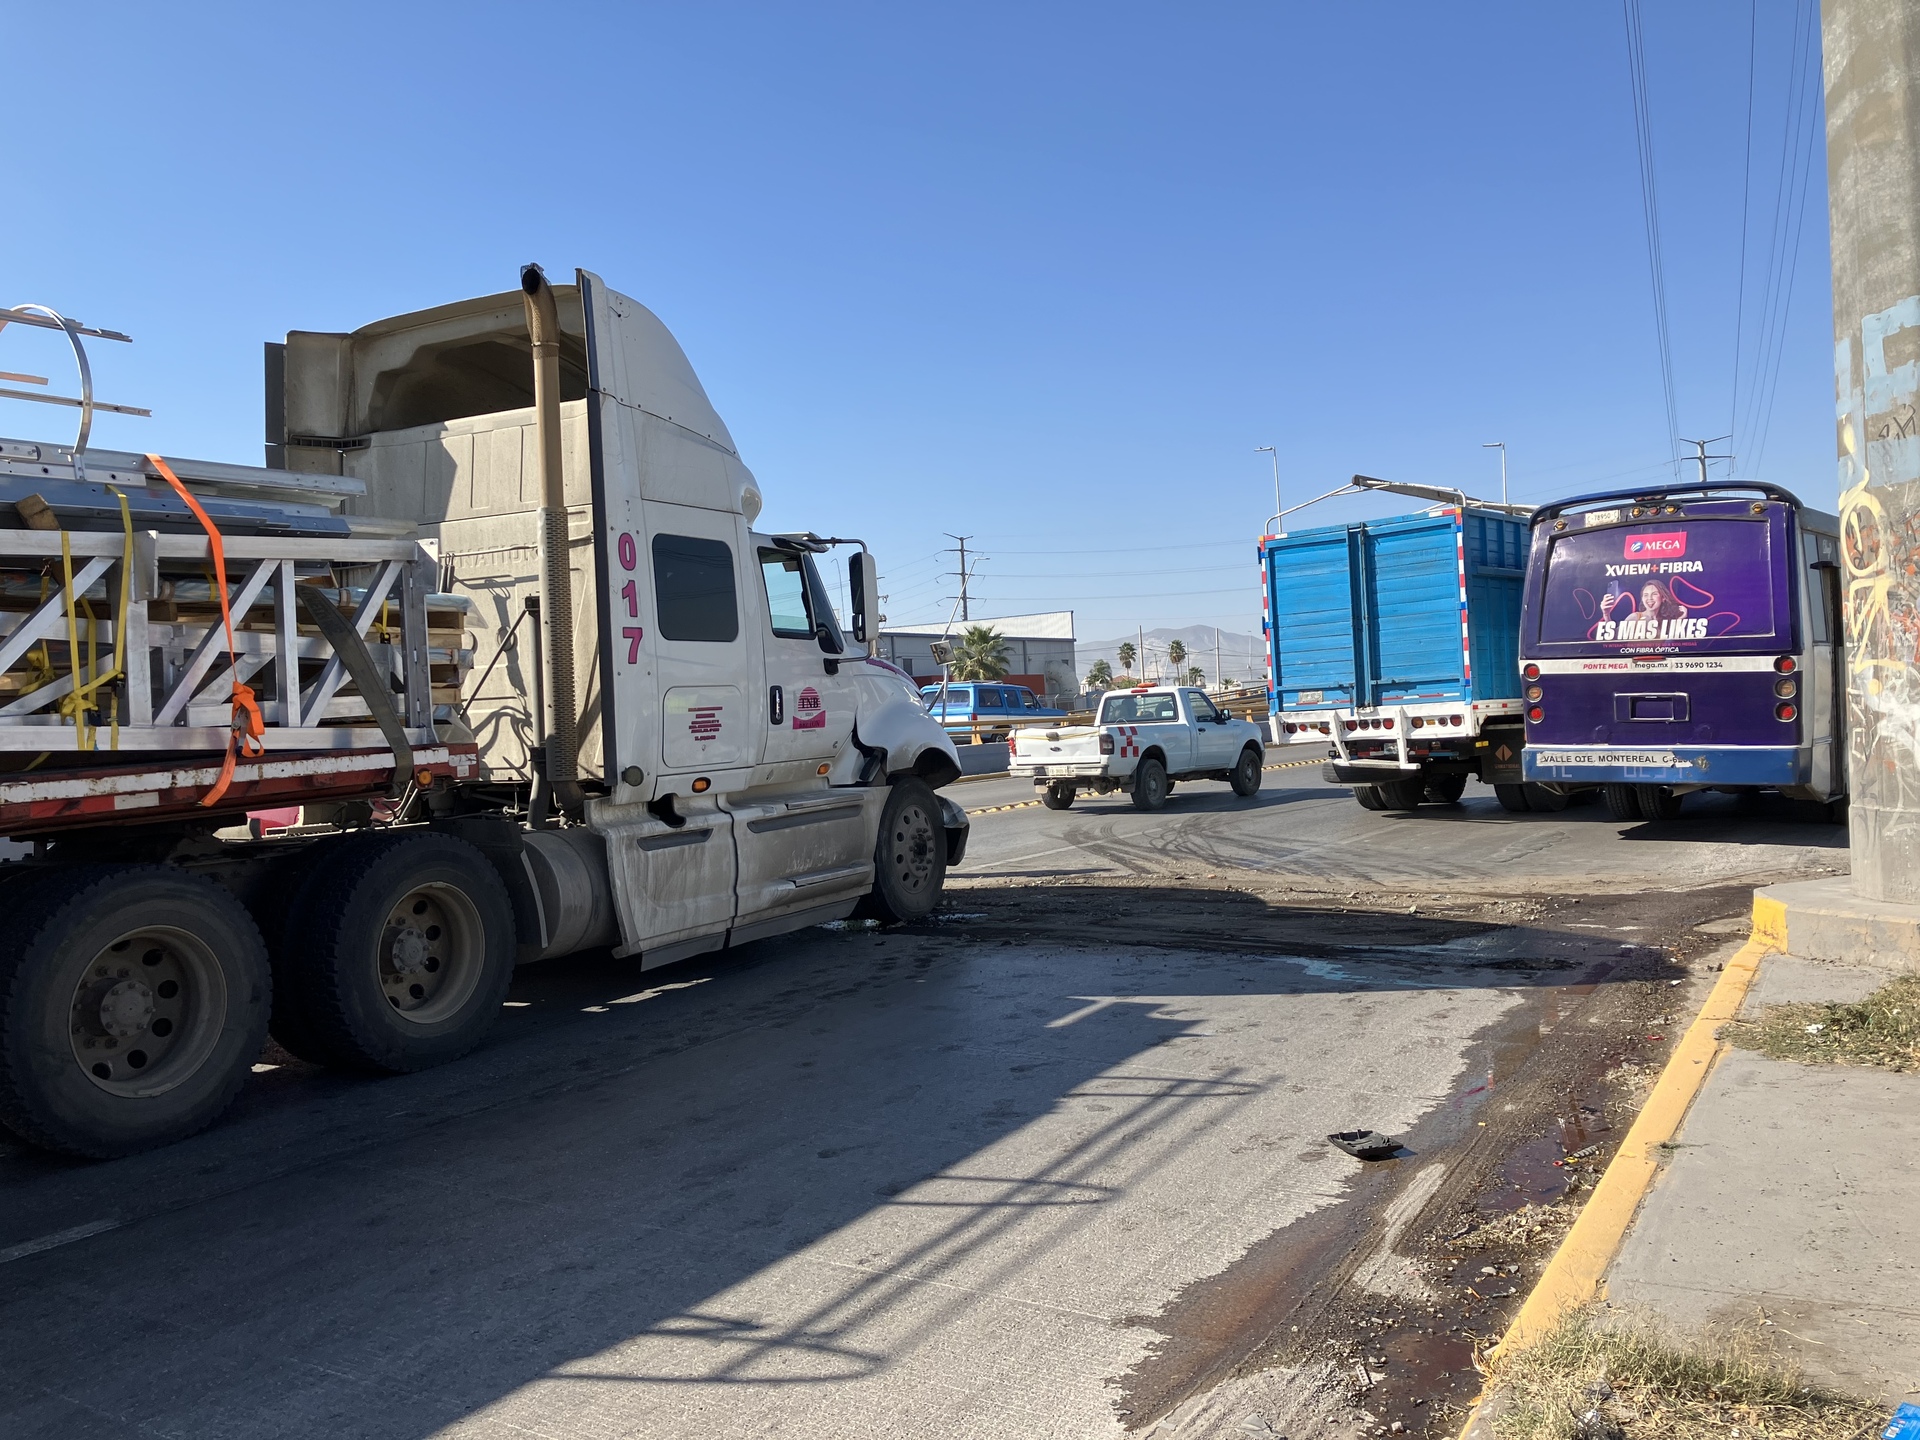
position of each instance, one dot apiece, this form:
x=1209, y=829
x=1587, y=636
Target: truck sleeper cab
x=1683, y=640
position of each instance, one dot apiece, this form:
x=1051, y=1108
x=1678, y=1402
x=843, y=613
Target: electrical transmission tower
x=961, y=573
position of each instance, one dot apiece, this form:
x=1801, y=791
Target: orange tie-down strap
x=247, y=724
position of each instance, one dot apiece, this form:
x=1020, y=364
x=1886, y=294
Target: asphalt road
x=1053, y=1167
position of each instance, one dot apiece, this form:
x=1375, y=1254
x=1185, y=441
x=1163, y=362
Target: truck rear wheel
x=1446, y=789
x=1245, y=777
x=133, y=1003
x=909, y=857
x=1539, y=797
x=1401, y=794
x=1512, y=798
x=1150, y=785
x=1658, y=802
x=1623, y=801
x=1369, y=797
x=1057, y=797
x=398, y=951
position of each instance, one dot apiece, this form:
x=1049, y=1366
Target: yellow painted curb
x=1577, y=1272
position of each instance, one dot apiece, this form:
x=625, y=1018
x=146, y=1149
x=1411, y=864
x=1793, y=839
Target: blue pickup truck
x=973, y=710
x=1393, y=651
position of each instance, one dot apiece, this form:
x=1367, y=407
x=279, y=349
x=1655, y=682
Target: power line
x=1650, y=208
x=1746, y=191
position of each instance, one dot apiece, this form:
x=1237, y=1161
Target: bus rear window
x=1666, y=584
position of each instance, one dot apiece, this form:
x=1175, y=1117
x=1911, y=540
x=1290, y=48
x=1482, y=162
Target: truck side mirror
x=863, y=595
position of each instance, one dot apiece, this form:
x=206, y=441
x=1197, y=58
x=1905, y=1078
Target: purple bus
x=1684, y=640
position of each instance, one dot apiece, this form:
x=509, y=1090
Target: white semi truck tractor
x=508, y=638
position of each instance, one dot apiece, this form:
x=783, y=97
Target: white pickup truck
x=1141, y=742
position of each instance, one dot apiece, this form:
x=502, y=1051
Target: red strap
x=246, y=732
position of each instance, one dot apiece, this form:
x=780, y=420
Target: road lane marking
x=57, y=1239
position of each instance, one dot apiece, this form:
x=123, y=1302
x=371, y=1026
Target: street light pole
x=1275, y=454
x=1501, y=446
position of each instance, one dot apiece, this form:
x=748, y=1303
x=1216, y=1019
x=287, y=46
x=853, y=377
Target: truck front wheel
x=1057, y=797
x=909, y=857
x=1150, y=784
x=397, y=954
x=133, y=1003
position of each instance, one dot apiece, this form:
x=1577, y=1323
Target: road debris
x=1365, y=1144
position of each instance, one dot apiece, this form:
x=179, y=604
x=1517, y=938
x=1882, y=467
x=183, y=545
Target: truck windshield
x=1670, y=584
x=1137, y=709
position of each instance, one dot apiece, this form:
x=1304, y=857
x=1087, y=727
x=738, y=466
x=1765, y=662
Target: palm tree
x=1176, y=657
x=1127, y=654
x=1100, y=677
x=979, y=654
x=1195, y=675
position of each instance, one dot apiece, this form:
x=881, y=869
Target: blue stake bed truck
x=1392, y=648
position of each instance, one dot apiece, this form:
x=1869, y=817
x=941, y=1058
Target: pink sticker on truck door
x=808, y=712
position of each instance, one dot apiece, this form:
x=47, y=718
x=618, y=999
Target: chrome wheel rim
x=147, y=1011
x=910, y=844
x=432, y=953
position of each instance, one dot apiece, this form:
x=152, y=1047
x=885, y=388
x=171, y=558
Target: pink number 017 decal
x=630, y=592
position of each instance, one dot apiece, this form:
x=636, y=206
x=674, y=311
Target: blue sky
x=1043, y=275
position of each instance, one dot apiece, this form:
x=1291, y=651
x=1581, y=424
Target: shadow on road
x=787, y=1166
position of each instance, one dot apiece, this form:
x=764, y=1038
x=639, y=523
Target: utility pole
x=1872, y=61
x=1501, y=446
x=1274, y=454
x=1216, y=658
x=1701, y=457
x=965, y=616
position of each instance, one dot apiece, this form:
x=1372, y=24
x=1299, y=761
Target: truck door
x=809, y=712
x=1215, y=746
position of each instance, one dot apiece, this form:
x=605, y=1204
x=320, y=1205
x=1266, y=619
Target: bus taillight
x=1786, y=665
x=1786, y=689
x=1786, y=712
x=1532, y=672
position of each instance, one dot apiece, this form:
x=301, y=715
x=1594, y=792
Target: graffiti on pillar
x=1879, y=441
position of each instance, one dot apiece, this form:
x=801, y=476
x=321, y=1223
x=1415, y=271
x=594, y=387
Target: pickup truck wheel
x=1512, y=798
x=1057, y=797
x=133, y=1003
x=1245, y=778
x=1446, y=789
x=1369, y=797
x=1623, y=802
x=909, y=857
x=1150, y=785
x=1658, y=802
x=399, y=949
x=1401, y=794
x=1549, y=802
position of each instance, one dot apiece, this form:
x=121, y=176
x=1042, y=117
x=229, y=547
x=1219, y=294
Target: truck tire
x=1245, y=777
x=1057, y=797
x=1545, y=801
x=1623, y=801
x=398, y=952
x=1401, y=794
x=133, y=1004
x=1512, y=798
x=909, y=856
x=1150, y=785
x=1658, y=802
x=1369, y=797
x=1446, y=789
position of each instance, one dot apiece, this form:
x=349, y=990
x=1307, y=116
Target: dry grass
x=1608, y=1380
x=1883, y=1029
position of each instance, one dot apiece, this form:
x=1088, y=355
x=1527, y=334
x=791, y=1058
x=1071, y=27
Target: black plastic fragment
x=1365, y=1144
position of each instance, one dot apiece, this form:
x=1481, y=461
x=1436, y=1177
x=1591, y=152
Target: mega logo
x=1665, y=545
x=808, y=712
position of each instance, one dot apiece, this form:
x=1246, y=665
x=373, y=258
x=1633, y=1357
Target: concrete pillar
x=1872, y=75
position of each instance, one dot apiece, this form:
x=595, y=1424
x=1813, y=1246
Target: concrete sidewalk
x=1792, y=1197
x=1768, y=1192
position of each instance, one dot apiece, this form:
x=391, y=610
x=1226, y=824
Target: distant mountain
x=1242, y=657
